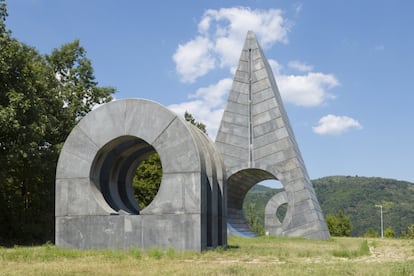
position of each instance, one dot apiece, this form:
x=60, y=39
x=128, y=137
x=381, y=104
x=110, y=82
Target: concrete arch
x=94, y=203
x=272, y=223
x=239, y=184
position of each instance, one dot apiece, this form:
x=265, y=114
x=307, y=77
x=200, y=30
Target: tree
x=252, y=217
x=371, y=233
x=389, y=232
x=410, y=232
x=77, y=86
x=339, y=225
x=147, y=180
x=148, y=176
x=189, y=118
x=35, y=119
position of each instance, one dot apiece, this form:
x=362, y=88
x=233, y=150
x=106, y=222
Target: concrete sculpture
x=193, y=209
x=95, y=206
x=257, y=143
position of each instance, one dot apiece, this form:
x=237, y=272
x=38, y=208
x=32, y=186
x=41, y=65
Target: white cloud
x=218, y=43
x=193, y=59
x=311, y=89
x=306, y=90
x=220, y=38
x=298, y=8
x=207, y=106
x=335, y=125
x=300, y=66
x=276, y=67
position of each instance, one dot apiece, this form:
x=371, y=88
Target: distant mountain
x=357, y=197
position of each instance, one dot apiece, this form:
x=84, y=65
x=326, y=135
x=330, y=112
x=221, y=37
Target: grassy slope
x=257, y=256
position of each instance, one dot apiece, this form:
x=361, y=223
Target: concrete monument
x=95, y=206
x=257, y=143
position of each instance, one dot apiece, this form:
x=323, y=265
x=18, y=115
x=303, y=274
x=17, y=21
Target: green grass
x=347, y=253
x=256, y=256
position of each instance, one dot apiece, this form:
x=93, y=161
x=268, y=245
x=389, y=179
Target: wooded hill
x=355, y=196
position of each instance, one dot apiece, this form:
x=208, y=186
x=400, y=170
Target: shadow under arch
x=238, y=185
x=113, y=170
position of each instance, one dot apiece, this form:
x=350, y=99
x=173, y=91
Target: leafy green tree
x=410, y=231
x=35, y=119
x=147, y=180
x=389, y=232
x=254, y=205
x=252, y=218
x=331, y=221
x=77, y=86
x=371, y=233
x=189, y=118
x=148, y=175
x=339, y=225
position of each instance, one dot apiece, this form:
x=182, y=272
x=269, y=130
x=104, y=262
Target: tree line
x=42, y=97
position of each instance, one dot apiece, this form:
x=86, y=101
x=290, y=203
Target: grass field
x=256, y=256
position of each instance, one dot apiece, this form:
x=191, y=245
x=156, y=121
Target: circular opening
x=255, y=201
x=246, y=209
x=281, y=212
x=114, y=169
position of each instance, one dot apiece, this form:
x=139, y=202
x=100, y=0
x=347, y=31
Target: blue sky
x=345, y=69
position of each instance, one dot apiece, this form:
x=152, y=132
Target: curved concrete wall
x=95, y=206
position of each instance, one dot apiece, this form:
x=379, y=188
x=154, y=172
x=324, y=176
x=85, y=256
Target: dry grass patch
x=256, y=256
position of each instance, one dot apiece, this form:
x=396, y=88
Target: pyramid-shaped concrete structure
x=257, y=143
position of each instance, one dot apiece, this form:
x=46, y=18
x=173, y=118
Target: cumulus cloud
x=207, y=105
x=193, y=59
x=217, y=44
x=306, y=90
x=335, y=125
x=300, y=66
x=220, y=38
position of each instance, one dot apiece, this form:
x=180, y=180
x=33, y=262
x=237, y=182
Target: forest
x=355, y=196
x=42, y=97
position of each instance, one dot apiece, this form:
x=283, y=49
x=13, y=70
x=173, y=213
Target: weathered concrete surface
x=95, y=206
x=257, y=143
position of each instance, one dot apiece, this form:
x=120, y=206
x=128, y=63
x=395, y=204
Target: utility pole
x=382, y=221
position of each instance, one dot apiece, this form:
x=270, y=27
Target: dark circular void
x=113, y=170
x=238, y=185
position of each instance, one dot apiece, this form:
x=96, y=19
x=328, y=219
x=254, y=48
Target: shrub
x=389, y=233
x=371, y=233
x=339, y=225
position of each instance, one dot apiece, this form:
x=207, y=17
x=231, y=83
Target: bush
x=371, y=233
x=410, y=233
x=339, y=225
x=389, y=233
